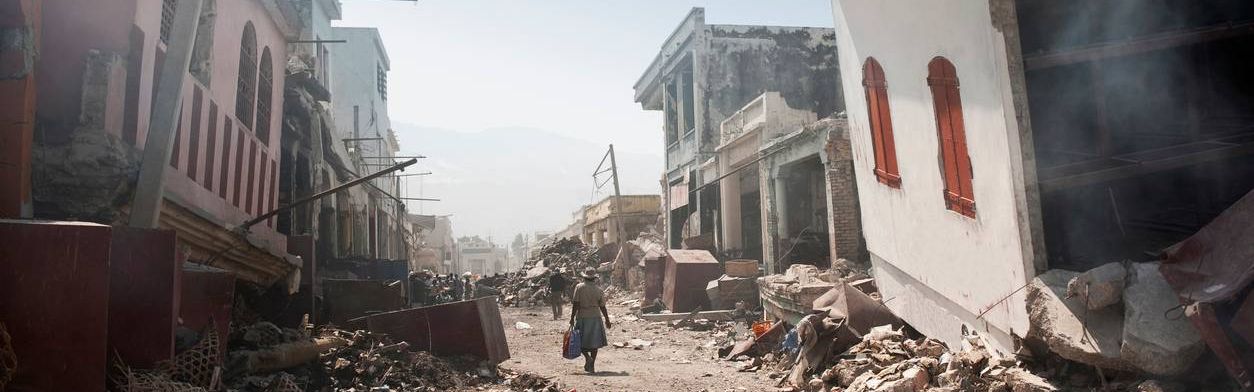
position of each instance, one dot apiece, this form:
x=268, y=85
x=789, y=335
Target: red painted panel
x=193, y=149
x=178, y=141
x=263, y=182
x=143, y=295
x=250, y=190
x=461, y=328
x=956, y=163
x=881, y=120
x=55, y=303
x=240, y=141
x=225, y=170
x=207, y=293
x=274, y=179
x=212, y=147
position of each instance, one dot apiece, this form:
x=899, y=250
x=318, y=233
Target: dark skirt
x=593, y=332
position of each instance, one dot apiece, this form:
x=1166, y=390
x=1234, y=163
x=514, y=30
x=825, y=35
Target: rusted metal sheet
x=654, y=275
x=687, y=273
x=207, y=293
x=1209, y=271
x=471, y=328
x=54, y=301
x=347, y=299
x=144, y=272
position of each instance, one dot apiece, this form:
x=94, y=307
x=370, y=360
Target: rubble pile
x=264, y=357
x=565, y=255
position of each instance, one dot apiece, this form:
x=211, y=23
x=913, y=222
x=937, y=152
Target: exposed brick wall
x=845, y=219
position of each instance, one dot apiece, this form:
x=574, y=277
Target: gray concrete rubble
x=1099, y=287
x=1136, y=335
x=1068, y=328
x=1152, y=341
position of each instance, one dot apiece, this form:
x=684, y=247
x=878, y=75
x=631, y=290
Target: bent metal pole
x=328, y=192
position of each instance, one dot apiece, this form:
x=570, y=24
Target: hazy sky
x=562, y=66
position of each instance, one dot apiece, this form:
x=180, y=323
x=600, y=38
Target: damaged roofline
x=646, y=85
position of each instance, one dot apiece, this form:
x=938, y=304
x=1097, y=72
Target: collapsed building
x=748, y=169
x=1032, y=138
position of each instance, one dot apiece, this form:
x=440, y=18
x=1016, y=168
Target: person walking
x=468, y=289
x=557, y=288
x=587, y=314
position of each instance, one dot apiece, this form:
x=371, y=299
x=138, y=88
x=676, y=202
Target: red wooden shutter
x=955, y=162
x=876, y=88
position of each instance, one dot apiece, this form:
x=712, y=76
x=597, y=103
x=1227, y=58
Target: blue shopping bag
x=571, y=344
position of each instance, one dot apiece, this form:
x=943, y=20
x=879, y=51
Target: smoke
x=1142, y=106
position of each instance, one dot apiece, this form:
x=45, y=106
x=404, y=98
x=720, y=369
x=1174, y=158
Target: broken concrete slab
x=1071, y=330
x=712, y=315
x=1099, y=287
x=1152, y=341
x=862, y=311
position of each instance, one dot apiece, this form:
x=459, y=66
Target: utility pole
x=167, y=103
x=616, y=213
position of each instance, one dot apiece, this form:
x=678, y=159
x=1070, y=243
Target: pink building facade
x=97, y=69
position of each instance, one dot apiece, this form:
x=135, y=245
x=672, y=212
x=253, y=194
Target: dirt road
x=678, y=360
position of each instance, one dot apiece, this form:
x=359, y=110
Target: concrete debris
x=848, y=303
x=366, y=361
x=1070, y=329
x=565, y=256
x=1099, y=287
x=1077, y=317
x=1152, y=341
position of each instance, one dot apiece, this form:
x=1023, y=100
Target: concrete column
x=19, y=23
x=729, y=194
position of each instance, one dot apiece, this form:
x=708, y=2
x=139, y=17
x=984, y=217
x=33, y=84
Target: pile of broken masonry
x=264, y=357
x=529, y=285
x=826, y=351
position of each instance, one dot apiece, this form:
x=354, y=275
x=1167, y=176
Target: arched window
x=876, y=87
x=265, y=92
x=246, y=88
x=167, y=20
x=955, y=163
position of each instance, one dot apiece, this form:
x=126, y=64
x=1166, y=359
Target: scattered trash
x=522, y=325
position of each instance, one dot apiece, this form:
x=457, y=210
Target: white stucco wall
x=354, y=82
x=937, y=268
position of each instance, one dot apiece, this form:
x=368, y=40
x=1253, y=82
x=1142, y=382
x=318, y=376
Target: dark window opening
x=265, y=97
x=246, y=86
x=168, y=8
x=382, y=82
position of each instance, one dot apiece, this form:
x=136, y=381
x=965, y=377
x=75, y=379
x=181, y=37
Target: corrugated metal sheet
x=1209, y=271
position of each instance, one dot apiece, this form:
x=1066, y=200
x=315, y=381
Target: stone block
x=1099, y=287
x=1071, y=330
x=1151, y=341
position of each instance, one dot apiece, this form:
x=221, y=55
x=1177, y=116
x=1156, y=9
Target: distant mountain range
x=504, y=181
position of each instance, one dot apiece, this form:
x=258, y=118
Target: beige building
x=636, y=213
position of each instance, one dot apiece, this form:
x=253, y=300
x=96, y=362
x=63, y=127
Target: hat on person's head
x=589, y=273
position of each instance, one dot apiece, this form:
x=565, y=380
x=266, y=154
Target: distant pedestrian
x=557, y=287
x=587, y=314
x=468, y=288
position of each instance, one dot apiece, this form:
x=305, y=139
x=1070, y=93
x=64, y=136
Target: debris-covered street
x=644, y=195
x=652, y=356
